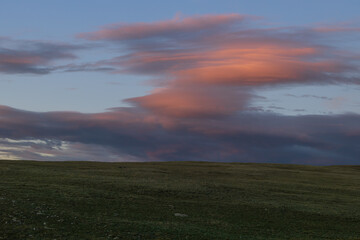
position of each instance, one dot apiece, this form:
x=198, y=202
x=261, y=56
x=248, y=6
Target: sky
x=227, y=81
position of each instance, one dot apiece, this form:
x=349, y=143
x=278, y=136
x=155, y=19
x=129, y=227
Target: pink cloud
x=341, y=27
x=205, y=63
x=125, y=31
x=193, y=101
x=258, y=65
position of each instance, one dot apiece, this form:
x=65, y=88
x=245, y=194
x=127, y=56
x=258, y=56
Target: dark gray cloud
x=246, y=137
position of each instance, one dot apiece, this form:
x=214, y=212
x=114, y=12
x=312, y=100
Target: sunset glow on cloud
x=205, y=72
x=205, y=62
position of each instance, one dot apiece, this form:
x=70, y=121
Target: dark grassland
x=87, y=200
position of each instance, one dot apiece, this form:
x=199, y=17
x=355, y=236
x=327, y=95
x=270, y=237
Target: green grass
x=87, y=200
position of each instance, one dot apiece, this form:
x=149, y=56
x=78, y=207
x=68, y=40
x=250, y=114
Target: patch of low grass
x=178, y=200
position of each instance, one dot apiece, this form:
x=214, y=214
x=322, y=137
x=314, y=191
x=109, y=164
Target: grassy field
x=177, y=200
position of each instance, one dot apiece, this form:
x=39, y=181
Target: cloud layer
x=246, y=137
x=205, y=70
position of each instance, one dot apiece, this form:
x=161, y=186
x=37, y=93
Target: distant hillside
x=177, y=200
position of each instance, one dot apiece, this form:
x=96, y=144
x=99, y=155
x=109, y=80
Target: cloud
x=205, y=70
x=341, y=27
x=134, y=134
x=193, y=102
x=177, y=27
x=34, y=57
x=55, y=150
x=209, y=65
x=241, y=64
x=309, y=96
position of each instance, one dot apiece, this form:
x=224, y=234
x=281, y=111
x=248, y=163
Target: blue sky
x=295, y=59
